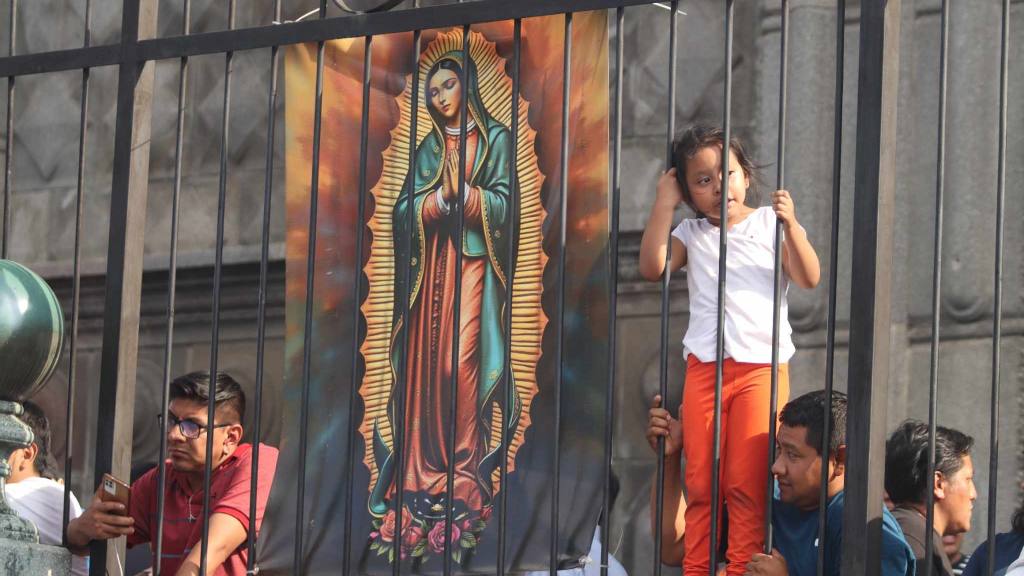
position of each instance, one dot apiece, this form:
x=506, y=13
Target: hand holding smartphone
x=114, y=490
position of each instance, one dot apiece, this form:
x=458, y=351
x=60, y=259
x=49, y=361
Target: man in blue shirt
x=797, y=470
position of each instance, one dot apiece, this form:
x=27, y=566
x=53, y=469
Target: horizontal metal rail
x=61, y=60
x=299, y=32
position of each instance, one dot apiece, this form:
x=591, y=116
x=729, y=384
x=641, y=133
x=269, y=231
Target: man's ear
x=30, y=452
x=233, y=435
x=939, y=486
x=22, y=456
x=840, y=461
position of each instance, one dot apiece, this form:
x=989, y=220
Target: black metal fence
x=873, y=228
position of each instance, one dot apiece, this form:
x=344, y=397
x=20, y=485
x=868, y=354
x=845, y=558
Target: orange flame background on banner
x=338, y=186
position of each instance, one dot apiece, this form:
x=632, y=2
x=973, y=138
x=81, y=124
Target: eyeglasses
x=189, y=428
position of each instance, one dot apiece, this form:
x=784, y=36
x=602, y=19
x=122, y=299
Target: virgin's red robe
x=431, y=323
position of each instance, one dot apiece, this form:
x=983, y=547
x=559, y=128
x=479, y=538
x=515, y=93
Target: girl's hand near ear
x=654, y=245
x=670, y=194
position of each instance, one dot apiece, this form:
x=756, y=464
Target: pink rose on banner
x=387, y=528
x=436, y=536
x=411, y=537
x=485, y=514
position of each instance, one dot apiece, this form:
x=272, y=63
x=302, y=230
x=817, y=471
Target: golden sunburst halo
x=528, y=318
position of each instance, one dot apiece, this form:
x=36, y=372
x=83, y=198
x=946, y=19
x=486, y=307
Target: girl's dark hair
x=698, y=137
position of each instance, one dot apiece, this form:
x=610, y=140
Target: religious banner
x=381, y=358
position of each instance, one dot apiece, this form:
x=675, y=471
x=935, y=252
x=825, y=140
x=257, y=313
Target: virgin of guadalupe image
x=423, y=314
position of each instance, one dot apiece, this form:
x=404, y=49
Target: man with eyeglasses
x=230, y=486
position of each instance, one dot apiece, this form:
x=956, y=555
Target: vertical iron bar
x=218, y=270
x=833, y=276
x=723, y=226
x=9, y=146
x=933, y=376
x=76, y=289
x=510, y=232
x=559, y=351
x=402, y=381
x=453, y=401
x=613, y=291
x=997, y=305
x=364, y=134
x=307, y=336
x=172, y=280
x=398, y=434
x=261, y=313
x=129, y=191
x=777, y=279
x=870, y=303
x=666, y=279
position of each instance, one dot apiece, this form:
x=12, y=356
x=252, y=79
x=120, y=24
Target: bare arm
x=100, y=521
x=673, y=523
x=799, y=260
x=654, y=246
x=226, y=534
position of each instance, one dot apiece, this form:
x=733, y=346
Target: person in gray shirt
x=907, y=483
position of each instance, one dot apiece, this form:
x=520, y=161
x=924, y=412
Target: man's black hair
x=195, y=387
x=808, y=411
x=1017, y=524
x=906, y=459
x=36, y=419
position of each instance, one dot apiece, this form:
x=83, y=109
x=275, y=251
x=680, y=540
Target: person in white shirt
x=33, y=489
x=721, y=204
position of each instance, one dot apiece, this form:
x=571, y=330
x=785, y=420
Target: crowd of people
x=795, y=512
x=719, y=197
x=36, y=493
x=686, y=436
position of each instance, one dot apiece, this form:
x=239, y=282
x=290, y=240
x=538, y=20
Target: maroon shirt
x=183, y=508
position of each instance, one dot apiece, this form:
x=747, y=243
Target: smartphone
x=115, y=490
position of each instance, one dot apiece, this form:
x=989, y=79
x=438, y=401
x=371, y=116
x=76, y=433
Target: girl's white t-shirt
x=750, y=265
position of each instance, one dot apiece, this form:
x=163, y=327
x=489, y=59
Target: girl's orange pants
x=746, y=399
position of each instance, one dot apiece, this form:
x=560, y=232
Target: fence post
x=868, y=378
x=124, y=259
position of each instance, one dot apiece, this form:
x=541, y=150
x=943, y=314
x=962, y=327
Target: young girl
x=696, y=180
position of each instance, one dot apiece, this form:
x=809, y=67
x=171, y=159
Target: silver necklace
x=191, y=517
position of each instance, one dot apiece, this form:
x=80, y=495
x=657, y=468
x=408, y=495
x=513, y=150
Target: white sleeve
x=1016, y=568
x=682, y=232
x=76, y=507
